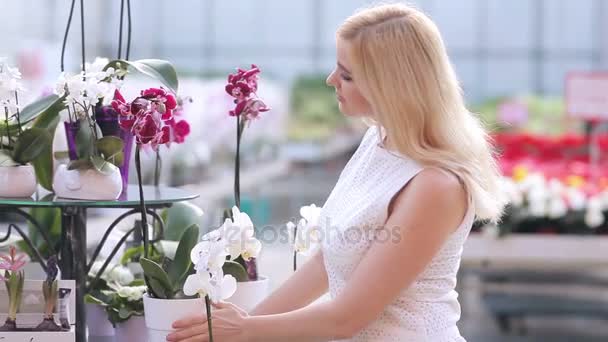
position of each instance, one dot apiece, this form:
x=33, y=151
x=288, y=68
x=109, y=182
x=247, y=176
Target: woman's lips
x=340, y=98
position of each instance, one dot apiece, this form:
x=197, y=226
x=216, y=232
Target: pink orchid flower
x=12, y=262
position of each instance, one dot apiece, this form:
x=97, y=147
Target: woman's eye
x=346, y=77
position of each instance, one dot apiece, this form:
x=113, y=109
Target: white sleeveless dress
x=353, y=216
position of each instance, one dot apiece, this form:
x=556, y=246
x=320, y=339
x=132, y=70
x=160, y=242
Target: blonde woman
x=395, y=223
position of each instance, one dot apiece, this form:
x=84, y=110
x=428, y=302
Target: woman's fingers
x=224, y=305
x=199, y=338
x=194, y=333
x=189, y=321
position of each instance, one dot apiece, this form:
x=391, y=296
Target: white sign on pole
x=587, y=95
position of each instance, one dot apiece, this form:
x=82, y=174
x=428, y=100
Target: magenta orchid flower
x=151, y=117
x=243, y=86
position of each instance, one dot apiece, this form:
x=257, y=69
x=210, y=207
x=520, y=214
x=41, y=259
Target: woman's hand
x=228, y=324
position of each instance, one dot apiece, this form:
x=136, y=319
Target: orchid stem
x=142, y=203
x=18, y=112
x=8, y=130
x=209, y=325
x=295, y=252
x=237, y=181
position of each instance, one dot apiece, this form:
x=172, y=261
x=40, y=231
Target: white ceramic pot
x=87, y=184
x=17, y=181
x=161, y=313
x=250, y=293
x=134, y=329
x=97, y=321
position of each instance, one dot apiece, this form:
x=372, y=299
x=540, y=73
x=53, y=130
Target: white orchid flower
x=209, y=255
x=214, y=284
x=9, y=85
x=238, y=234
x=307, y=235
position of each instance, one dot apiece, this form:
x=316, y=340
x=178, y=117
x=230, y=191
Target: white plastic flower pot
x=161, y=313
x=87, y=184
x=17, y=181
x=250, y=293
x=98, y=324
x=134, y=329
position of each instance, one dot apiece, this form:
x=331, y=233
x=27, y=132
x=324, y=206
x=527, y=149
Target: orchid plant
x=19, y=144
x=306, y=233
x=82, y=94
x=243, y=87
x=13, y=278
x=232, y=240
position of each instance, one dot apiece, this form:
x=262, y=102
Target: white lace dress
x=354, y=215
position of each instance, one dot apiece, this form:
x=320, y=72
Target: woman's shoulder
x=441, y=190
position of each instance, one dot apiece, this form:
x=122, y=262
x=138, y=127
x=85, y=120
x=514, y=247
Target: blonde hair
x=400, y=63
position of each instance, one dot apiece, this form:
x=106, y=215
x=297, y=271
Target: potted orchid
x=95, y=149
x=13, y=278
x=165, y=300
x=94, y=160
x=306, y=233
x=234, y=239
x=19, y=145
x=242, y=86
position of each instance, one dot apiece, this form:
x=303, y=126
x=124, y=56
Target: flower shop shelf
x=536, y=251
x=31, y=318
x=74, y=227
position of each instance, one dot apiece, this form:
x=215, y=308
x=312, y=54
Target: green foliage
x=546, y=115
x=165, y=280
x=155, y=68
x=236, y=270
x=49, y=220
x=119, y=309
x=178, y=218
x=314, y=109
x=30, y=144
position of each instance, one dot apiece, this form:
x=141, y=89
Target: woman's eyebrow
x=343, y=68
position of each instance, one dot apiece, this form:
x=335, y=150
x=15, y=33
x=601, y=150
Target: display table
x=72, y=248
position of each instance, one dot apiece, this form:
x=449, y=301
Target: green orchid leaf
x=30, y=144
x=80, y=164
x=111, y=149
x=154, y=271
x=84, y=140
x=43, y=164
x=61, y=154
x=156, y=68
x=236, y=270
x=102, y=165
x=36, y=108
x=181, y=263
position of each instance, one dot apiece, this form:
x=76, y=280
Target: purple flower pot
x=107, y=120
x=71, y=131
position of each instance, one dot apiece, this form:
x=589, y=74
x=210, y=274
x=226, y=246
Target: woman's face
x=350, y=99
